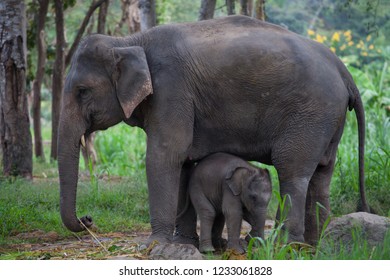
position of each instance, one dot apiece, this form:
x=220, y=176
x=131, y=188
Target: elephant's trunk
x=257, y=221
x=68, y=167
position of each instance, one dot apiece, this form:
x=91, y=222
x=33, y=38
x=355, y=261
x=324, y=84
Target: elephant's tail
x=355, y=102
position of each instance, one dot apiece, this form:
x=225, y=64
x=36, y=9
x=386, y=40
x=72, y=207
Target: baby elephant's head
x=254, y=187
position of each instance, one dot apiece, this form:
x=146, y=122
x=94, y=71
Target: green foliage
x=176, y=11
x=121, y=150
x=373, y=82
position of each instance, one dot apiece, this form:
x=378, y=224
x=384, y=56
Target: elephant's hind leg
x=317, y=199
x=295, y=160
x=207, y=216
x=185, y=231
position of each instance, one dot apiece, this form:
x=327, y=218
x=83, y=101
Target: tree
x=102, y=17
x=37, y=83
x=207, y=9
x=58, y=76
x=130, y=17
x=15, y=136
x=147, y=9
x=244, y=8
x=259, y=9
x=231, y=7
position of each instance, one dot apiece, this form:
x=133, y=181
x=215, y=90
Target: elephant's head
x=104, y=85
x=255, y=189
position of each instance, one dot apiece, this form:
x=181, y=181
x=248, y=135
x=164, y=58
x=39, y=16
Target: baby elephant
x=223, y=186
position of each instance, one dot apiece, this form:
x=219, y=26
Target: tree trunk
x=244, y=8
x=260, y=5
x=58, y=76
x=147, y=9
x=102, y=17
x=231, y=7
x=130, y=17
x=133, y=20
x=36, y=106
x=15, y=136
x=84, y=24
x=207, y=9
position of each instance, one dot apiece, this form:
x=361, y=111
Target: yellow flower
x=310, y=32
x=360, y=45
x=319, y=38
x=368, y=38
x=364, y=53
x=379, y=51
x=336, y=37
x=350, y=43
x=343, y=47
x=347, y=33
x=371, y=47
x=333, y=49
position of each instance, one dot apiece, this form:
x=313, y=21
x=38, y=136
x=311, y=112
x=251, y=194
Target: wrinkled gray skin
x=225, y=187
x=234, y=85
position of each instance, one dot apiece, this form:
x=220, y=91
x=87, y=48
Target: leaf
x=114, y=248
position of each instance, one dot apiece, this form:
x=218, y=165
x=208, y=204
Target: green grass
x=275, y=248
x=114, y=205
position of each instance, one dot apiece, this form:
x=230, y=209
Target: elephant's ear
x=236, y=178
x=131, y=77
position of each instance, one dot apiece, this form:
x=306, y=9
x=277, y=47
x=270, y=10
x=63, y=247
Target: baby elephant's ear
x=131, y=77
x=236, y=178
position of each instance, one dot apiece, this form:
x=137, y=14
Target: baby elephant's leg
x=233, y=223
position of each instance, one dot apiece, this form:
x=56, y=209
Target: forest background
x=113, y=185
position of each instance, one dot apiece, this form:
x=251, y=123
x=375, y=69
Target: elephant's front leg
x=163, y=175
x=167, y=150
x=233, y=216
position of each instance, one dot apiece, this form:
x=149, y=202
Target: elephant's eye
x=81, y=91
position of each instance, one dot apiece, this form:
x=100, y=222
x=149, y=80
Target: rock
x=175, y=251
x=370, y=227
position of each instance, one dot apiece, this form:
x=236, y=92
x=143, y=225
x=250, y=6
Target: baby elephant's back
x=214, y=168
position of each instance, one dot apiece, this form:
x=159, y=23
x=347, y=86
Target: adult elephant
x=235, y=85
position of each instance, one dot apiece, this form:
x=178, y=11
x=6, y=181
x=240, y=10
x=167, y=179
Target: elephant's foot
x=186, y=239
x=294, y=238
x=206, y=247
x=220, y=244
x=236, y=247
x=157, y=238
x=290, y=237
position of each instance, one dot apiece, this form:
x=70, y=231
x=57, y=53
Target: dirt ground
x=116, y=245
